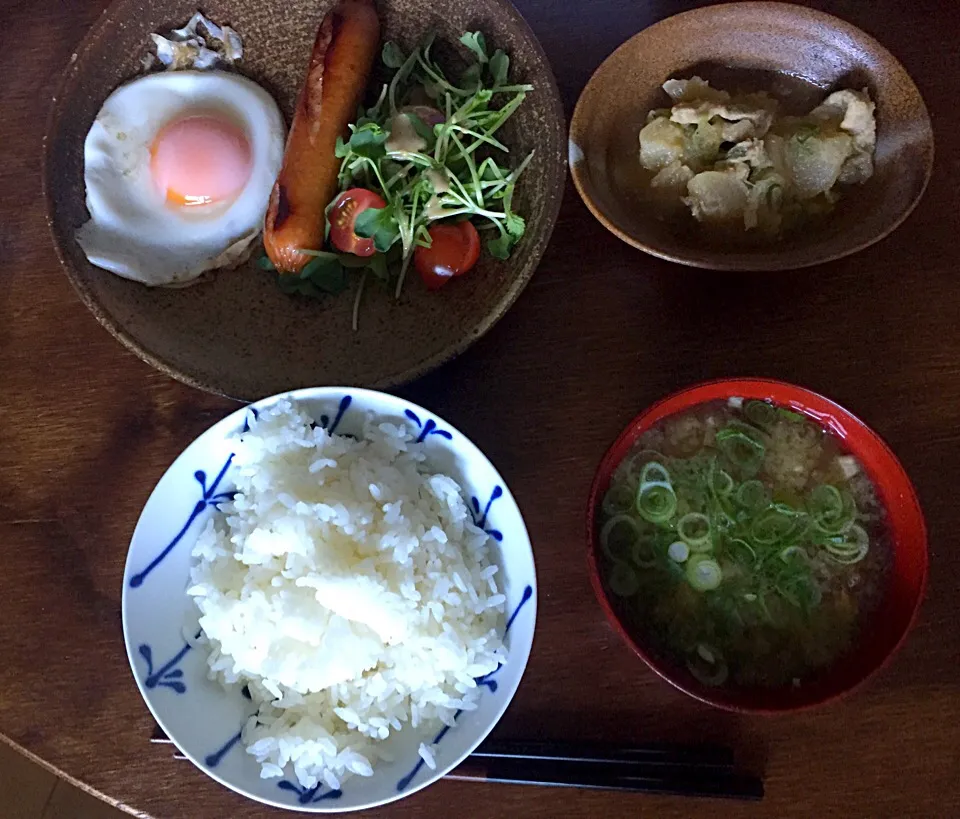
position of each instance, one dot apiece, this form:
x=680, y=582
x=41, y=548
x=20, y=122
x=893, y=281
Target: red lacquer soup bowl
x=884, y=630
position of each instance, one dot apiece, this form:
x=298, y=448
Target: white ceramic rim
x=519, y=655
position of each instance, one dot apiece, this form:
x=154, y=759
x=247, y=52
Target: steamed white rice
x=347, y=586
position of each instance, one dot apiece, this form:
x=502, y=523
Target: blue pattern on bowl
x=486, y=680
x=170, y=676
x=306, y=796
x=310, y=795
x=480, y=518
x=341, y=410
x=212, y=760
x=209, y=497
x=427, y=428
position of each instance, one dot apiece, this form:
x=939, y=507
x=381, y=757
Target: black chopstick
x=698, y=770
x=661, y=754
x=651, y=779
x=698, y=756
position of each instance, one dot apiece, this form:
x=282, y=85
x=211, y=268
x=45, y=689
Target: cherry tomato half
x=343, y=216
x=454, y=249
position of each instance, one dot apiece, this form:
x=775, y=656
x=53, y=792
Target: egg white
x=132, y=231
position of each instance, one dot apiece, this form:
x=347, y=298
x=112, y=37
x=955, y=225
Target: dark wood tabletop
x=86, y=429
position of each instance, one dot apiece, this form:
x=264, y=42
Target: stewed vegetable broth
x=745, y=542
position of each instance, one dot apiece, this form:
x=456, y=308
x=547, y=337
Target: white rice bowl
x=347, y=586
x=342, y=607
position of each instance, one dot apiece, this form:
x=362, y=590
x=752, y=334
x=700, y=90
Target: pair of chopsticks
x=663, y=769
x=705, y=770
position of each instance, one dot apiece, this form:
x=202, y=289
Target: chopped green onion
x=719, y=481
x=678, y=551
x=831, y=510
x=752, y=495
x=722, y=482
x=722, y=486
x=842, y=548
x=618, y=537
x=751, y=431
x=786, y=555
x=619, y=499
x=623, y=580
x=853, y=540
x=694, y=530
x=846, y=560
x=707, y=666
x=772, y=526
x=723, y=513
x=743, y=451
x=760, y=413
x=654, y=472
x=741, y=552
x=636, y=462
x=786, y=509
x=656, y=500
x=850, y=550
x=790, y=415
x=704, y=573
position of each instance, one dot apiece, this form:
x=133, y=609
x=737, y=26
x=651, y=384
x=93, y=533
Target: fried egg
x=178, y=168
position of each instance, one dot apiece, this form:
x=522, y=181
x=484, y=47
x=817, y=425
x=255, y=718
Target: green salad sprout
x=428, y=146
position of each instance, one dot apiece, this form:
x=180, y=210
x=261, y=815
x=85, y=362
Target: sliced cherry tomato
x=343, y=216
x=454, y=249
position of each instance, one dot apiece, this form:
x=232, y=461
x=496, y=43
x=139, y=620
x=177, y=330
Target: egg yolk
x=200, y=160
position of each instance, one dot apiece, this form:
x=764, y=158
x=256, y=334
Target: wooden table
x=601, y=332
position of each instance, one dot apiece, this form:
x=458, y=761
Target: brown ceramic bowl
x=752, y=46
x=238, y=334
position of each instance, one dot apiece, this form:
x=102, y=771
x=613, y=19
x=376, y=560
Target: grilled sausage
x=343, y=54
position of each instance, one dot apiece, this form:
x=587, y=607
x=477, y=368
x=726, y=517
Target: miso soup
x=745, y=543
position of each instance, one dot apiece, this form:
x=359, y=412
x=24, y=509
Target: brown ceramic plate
x=238, y=334
x=786, y=49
